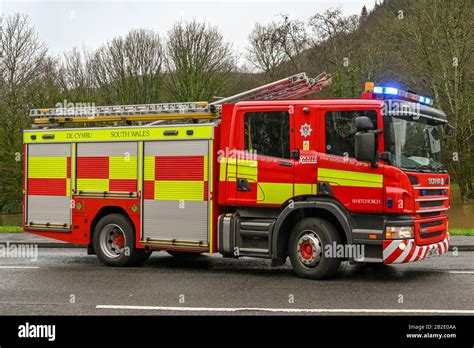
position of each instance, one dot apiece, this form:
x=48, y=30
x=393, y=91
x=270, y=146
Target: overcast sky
x=67, y=24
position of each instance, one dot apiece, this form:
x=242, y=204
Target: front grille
x=434, y=213
x=431, y=224
x=431, y=234
x=437, y=232
x=427, y=204
x=432, y=192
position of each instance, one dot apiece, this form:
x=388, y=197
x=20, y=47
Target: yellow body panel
x=92, y=184
x=47, y=167
x=123, y=167
x=305, y=189
x=68, y=187
x=179, y=190
x=350, y=178
x=206, y=166
x=274, y=193
x=149, y=171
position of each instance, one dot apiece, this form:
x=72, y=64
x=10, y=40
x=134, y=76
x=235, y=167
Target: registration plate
x=432, y=252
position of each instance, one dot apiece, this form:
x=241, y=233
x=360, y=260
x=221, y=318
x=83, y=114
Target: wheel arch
x=327, y=208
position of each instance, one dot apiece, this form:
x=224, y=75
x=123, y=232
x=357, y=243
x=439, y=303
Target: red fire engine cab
x=260, y=174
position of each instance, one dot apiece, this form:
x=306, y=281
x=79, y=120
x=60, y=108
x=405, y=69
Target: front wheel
x=114, y=242
x=307, y=245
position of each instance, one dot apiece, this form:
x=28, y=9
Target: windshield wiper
x=437, y=166
x=421, y=167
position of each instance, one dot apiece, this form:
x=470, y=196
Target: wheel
x=114, y=242
x=183, y=254
x=306, y=247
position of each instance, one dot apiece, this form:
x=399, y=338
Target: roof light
x=391, y=90
x=378, y=90
x=369, y=86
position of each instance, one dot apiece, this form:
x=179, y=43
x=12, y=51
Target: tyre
x=183, y=254
x=306, y=248
x=114, y=242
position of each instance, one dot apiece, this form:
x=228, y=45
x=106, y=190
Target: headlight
x=399, y=232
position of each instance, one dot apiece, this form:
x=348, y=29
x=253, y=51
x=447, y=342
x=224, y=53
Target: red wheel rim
x=119, y=241
x=306, y=250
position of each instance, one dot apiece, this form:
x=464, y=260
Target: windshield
x=415, y=144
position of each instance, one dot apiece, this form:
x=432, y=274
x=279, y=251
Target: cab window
x=340, y=130
x=267, y=133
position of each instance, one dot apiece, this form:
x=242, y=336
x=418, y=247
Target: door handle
x=285, y=164
x=243, y=185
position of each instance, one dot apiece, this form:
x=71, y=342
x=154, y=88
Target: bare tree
x=76, y=80
x=293, y=39
x=129, y=70
x=333, y=47
x=198, y=61
x=435, y=44
x=276, y=48
x=21, y=67
x=265, y=52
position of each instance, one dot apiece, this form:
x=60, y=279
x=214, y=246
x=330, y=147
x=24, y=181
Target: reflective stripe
x=222, y=168
x=47, y=167
x=123, y=167
x=305, y=189
x=149, y=168
x=179, y=190
x=392, y=246
x=231, y=169
x=68, y=187
x=247, y=168
x=206, y=168
x=118, y=134
x=274, y=193
x=415, y=254
x=92, y=184
x=405, y=252
x=350, y=178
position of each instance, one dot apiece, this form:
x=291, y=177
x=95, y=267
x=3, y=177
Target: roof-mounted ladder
x=293, y=87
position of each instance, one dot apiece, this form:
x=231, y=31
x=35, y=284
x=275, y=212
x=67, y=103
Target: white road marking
x=18, y=267
x=462, y=272
x=287, y=310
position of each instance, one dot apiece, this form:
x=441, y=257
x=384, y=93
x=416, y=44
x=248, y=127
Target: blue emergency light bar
x=392, y=91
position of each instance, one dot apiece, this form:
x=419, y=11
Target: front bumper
x=403, y=251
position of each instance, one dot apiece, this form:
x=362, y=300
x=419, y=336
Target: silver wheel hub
x=112, y=240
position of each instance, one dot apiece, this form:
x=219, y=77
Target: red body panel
x=179, y=168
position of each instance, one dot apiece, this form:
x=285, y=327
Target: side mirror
x=363, y=124
x=449, y=130
x=365, y=147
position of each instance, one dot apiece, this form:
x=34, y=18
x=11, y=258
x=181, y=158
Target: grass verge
x=10, y=229
x=461, y=231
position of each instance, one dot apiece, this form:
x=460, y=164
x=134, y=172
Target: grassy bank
x=461, y=231
x=10, y=229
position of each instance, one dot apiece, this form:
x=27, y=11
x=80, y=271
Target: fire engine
x=265, y=173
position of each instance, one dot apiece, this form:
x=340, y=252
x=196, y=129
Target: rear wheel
x=114, y=242
x=307, y=245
